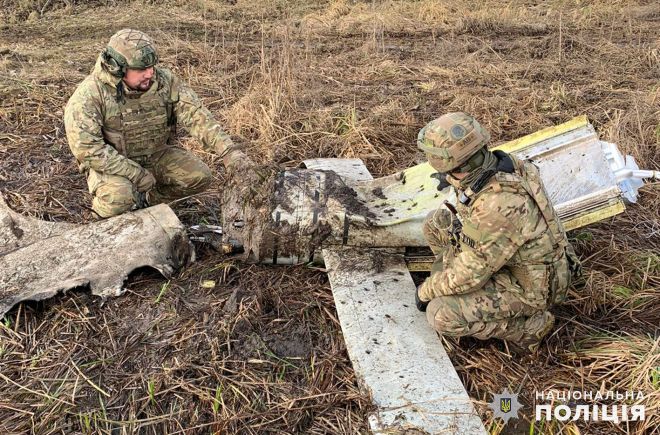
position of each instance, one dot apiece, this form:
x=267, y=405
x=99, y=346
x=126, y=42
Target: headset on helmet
x=129, y=49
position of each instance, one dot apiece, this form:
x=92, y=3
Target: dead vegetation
x=262, y=351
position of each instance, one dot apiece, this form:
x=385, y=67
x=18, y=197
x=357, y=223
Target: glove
x=146, y=182
x=442, y=180
x=237, y=160
x=421, y=305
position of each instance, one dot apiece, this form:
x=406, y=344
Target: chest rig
x=510, y=176
x=544, y=264
x=464, y=235
x=142, y=123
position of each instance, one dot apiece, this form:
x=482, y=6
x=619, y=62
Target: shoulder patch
x=505, y=177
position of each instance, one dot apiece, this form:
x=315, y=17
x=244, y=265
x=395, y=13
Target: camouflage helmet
x=450, y=141
x=131, y=49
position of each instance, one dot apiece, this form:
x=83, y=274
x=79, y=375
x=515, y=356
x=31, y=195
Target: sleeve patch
x=468, y=241
x=470, y=232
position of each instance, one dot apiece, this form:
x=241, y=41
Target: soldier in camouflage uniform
x=120, y=124
x=502, y=257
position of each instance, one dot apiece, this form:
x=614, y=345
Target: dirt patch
x=378, y=193
x=302, y=80
x=293, y=342
x=346, y=196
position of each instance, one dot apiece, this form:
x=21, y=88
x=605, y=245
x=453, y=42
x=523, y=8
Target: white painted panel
x=398, y=358
x=348, y=169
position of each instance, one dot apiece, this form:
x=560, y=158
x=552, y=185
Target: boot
x=533, y=330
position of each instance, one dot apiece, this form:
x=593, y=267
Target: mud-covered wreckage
x=367, y=232
x=38, y=259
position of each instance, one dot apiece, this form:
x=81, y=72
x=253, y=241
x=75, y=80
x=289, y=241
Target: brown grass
x=332, y=79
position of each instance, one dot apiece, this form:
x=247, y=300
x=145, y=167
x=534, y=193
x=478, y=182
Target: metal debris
x=38, y=259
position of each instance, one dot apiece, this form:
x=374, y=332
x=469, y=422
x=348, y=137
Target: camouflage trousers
x=178, y=173
x=499, y=309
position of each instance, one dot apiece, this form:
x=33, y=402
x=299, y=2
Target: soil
x=378, y=193
x=297, y=80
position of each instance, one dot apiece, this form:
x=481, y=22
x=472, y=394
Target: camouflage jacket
x=93, y=121
x=504, y=227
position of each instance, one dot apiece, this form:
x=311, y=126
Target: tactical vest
x=527, y=179
x=142, y=124
x=546, y=260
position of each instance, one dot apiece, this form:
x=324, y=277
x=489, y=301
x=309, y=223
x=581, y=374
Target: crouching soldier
x=120, y=124
x=502, y=257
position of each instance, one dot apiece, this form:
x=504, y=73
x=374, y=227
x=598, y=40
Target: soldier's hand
x=146, y=182
x=421, y=305
x=237, y=160
x=442, y=180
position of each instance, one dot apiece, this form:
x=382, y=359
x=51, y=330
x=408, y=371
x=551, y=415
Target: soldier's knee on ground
x=113, y=199
x=445, y=317
x=180, y=173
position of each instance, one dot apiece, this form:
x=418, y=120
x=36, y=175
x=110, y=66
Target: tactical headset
x=117, y=63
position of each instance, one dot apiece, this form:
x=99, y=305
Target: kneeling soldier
x=120, y=124
x=502, y=257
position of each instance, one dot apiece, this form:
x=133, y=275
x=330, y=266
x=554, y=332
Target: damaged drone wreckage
x=367, y=232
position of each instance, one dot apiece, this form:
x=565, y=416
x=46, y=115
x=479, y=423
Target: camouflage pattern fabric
x=178, y=173
x=497, y=276
x=494, y=311
x=437, y=231
x=134, y=48
x=116, y=139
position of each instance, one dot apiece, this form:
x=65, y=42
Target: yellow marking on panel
x=541, y=135
x=594, y=216
x=420, y=264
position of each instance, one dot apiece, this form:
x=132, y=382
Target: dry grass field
x=262, y=352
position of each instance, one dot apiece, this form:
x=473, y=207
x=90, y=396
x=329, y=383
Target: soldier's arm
x=199, y=121
x=495, y=230
x=82, y=122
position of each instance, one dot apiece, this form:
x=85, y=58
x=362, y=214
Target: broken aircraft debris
x=330, y=210
x=38, y=259
x=363, y=230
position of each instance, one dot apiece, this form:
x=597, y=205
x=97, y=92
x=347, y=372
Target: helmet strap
x=120, y=92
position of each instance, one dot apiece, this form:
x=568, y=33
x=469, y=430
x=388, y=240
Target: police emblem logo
x=505, y=405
